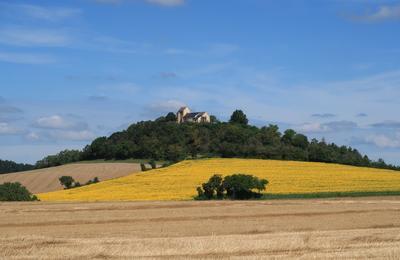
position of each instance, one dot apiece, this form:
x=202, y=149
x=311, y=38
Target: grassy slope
x=179, y=181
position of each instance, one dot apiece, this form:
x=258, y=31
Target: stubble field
x=45, y=180
x=352, y=228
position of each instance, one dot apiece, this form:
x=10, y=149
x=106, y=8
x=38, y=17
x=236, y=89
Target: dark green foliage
x=238, y=117
x=95, y=180
x=167, y=140
x=237, y=186
x=170, y=117
x=10, y=166
x=211, y=188
x=214, y=120
x=241, y=186
x=143, y=167
x=166, y=164
x=153, y=164
x=67, y=181
x=15, y=192
x=63, y=157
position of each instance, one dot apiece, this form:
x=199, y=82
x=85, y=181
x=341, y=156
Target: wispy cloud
x=9, y=113
x=382, y=13
x=166, y=3
x=326, y=127
x=60, y=122
x=7, y=129
x=26, y=58
x=384, y=141
x=324, y=115
x=387, y=124
x=362, y=115
x=162, y=107
x=39, y=12
x=70, y=135
x=31, y=37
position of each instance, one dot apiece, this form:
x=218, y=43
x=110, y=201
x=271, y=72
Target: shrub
x=95, y=180
x=153, y=164
x=66, y=181
x=236, y=186
x=165, y=165
x=241, y=186
x=15, y=192
x=143, y=167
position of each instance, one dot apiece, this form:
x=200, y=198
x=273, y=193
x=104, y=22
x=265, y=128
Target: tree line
x=10, y=166
x=164, y=139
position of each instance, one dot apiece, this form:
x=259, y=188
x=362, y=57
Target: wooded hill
x=164, y=139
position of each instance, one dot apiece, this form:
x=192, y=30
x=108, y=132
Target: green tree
x=170, y=117
x=238, y=117
x=15, y=192
x=214, y=120
x=211, y=188
x=241, y=186
x=67, y=181
x=288, y=136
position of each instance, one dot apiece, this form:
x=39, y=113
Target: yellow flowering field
x=179, y=181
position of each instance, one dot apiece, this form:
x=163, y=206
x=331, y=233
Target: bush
x=153, y=164
x=237, y=186
x=15, y=192
x=67, y=181
x=95, y=180
x=241, y=186
x=143, y=167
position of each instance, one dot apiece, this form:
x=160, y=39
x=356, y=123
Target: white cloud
x=164, y=107
x=39, y=12
x=312, y=128
x=326, y=127
x=32, y=136
x=84, y=135
x=7, y=129
x=26, y=58
x=59, y=122
x=384, y=141
x=33, y=37
x=381, y=14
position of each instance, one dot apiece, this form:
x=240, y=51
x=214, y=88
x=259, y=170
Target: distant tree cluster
x=15, y=192
x=68, y=182
x=164, y=139
x=236, y=186
x=63, y=157
x=10, y=166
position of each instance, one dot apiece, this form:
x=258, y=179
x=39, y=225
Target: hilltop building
x=185, y=115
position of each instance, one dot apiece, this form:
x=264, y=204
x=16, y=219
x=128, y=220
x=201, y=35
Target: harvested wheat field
x=351, y=228
x=45, y=180
x=179, y=181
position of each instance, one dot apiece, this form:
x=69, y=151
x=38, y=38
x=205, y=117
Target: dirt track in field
x=355, y=228
x=45, y=180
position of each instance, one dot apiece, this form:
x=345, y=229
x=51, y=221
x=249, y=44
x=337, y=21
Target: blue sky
x=74, y=70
